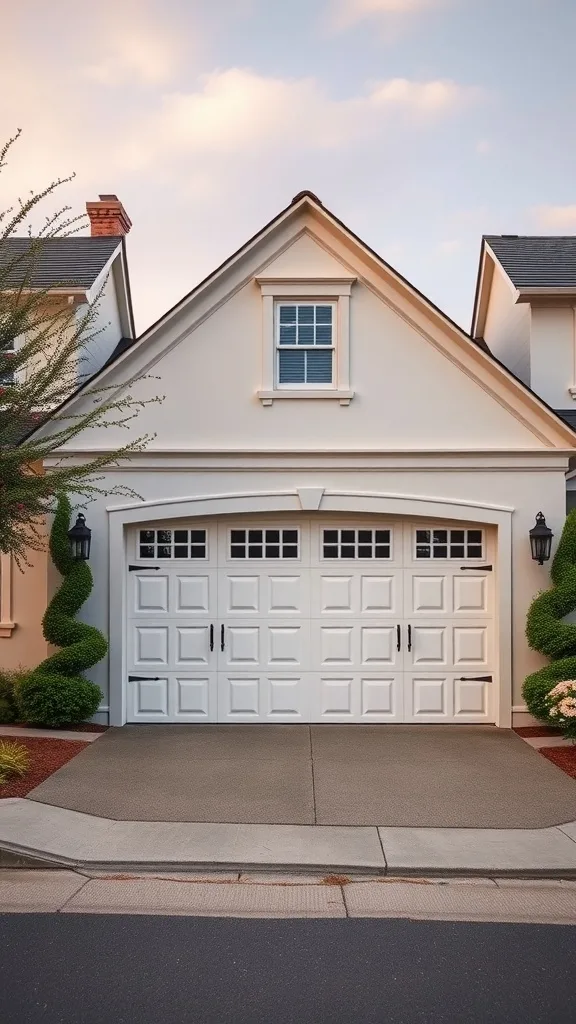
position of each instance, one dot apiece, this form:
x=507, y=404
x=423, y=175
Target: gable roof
x=536, y=261
x=309, y=199
x=59, y=262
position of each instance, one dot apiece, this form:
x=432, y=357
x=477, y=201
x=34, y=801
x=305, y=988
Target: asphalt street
x=93, y=969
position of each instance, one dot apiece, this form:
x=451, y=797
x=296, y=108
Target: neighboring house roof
x=127, y=344
x=67, y=262
x=536, y=261
x=568, y=415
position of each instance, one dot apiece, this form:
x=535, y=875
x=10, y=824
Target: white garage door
x=311, y=621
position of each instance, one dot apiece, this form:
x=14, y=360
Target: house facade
x=75, y=271
x=525, y=310
x=333, y=516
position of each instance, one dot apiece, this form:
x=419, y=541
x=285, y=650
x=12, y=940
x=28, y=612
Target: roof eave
x=527, y=293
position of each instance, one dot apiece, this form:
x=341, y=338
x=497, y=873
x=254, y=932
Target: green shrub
x=55, y=700
x=9, y=681
x=545, y=630
x=14, y=759
x=67, y=696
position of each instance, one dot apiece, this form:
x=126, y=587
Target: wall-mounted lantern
x=79, y=539
x=541, y=540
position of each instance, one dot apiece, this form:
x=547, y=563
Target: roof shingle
x=537, y=261
x=75, y=262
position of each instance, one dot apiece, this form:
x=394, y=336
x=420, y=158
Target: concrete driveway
x=413, y=776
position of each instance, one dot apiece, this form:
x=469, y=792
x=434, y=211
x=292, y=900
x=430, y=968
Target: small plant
x=10, y=679
x=14, y=759
x=561, y=702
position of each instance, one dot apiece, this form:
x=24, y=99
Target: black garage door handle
x=222, y=637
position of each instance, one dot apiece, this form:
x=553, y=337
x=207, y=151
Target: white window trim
x=334, y=290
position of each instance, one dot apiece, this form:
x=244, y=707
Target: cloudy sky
x=420, y=123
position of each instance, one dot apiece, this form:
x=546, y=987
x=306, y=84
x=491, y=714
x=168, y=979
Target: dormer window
x=305, y=341
x=305, y=338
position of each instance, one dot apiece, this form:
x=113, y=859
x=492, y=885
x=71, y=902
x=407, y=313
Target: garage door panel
x=264, y=697
x=193, y=698
x=378, y=645
x=430, y=644
x=264, y=594
x=378, y=594
x=151, y=594
x=428, y=594
x=194, y=595
x=286, y=594
x=471, y=698
x=429, y=697
x=149, y=698
x=150, y=645
x=470, y=646
x=240, y=594
x=470, y=595
x=381, y=698
x=357, y=697
x=286, y=698
x=265, y=645
x=192, y=645
x=355, y=593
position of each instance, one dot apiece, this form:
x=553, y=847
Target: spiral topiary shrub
x=56, y=693
x=546, y=631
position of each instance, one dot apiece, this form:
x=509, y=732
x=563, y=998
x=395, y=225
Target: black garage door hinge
x=144, y=679
x=469, y=568
x=135, y=568
x=475, y=679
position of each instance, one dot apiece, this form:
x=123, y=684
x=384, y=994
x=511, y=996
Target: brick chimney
x=108, y=217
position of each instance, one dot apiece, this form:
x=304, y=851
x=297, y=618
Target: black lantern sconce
x=79, y=538
x=541, y=540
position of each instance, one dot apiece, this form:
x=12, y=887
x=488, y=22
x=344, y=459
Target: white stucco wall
x=507, y=327
x=407, y=393
x=552, y=354
x=99, y=348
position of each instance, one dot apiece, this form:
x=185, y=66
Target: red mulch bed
x=46, y=757
x=562, y=757
x=537, y=730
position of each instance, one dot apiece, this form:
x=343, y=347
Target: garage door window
x=264, y=544
x=356, y=544
x=172, y=544
x=449, y=544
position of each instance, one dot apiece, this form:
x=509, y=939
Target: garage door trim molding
x=288, y=501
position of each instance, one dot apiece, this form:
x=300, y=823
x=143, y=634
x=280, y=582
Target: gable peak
x=306, y=194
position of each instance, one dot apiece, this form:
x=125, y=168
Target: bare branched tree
x=43, y=361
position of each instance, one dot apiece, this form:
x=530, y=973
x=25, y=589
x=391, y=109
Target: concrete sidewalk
x=55, y=835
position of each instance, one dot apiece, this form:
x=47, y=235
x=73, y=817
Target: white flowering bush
x=561, y=704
